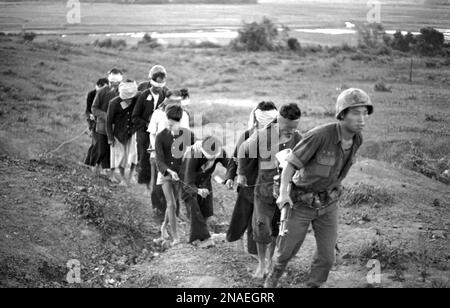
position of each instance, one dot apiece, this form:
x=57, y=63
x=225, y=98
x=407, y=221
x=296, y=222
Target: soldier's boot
x=273, y=278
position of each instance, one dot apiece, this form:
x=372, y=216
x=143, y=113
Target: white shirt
x=158, y=123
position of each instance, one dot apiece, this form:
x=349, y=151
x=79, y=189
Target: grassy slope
x=44, y=87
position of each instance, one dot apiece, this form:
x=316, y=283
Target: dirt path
x=411, y=218
x=41, y=230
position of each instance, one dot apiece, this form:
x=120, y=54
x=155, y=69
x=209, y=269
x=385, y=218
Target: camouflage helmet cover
x=352, y=97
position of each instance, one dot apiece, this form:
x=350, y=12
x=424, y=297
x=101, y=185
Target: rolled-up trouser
x=91, y=151
x=241, y=220
x=144, y=169
x=199, y=213
x=324, y=223
x=266, y=215
x=266, y=220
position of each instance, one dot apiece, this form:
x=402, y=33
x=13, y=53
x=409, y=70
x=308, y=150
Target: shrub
x=430, y=42
x=446, y=53
x=109, y=216
x=439, y=283
x=431, y=118
x=313, y=49
x=256, y=36
x=387, y=39
x=389, y=256
x=204, y=44
x=370, y=35
x=383, y=51
x=399, y=42
x=410, y=38
x=360, y=56
x=364, y=194
x=347, y=48
x=28, y=36
x=110, y=43
x=61, y=47
x=22, y=119
x=148, y=41
x=420, y=162
x=373, y=39
x=381, y=86
x=293, y=44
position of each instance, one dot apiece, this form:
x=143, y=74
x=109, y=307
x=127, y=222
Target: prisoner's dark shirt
x=171, y=148
x=250, y=170
x=100, y=107
x=89, y=101
x=118, y=120
x=321, y=160
x=145, y=106
x=193, y=173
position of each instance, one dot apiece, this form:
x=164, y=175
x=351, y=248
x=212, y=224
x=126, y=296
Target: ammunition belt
x=314, y=200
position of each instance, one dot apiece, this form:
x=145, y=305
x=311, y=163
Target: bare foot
x=104, y=172
x=158, y=241
x=269, y=268
x=207, y=244
x=240, y=245
x=132, y=179
x=259, y=273
x=254, y=256
x=164, y=233
x=166, y=244
x=114, y=179
x=175, y=242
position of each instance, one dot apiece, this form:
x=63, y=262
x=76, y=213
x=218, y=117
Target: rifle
x=286, y=212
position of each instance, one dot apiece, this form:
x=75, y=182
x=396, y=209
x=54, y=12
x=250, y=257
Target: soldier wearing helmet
x=311, y=185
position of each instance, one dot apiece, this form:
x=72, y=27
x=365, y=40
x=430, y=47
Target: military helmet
x=352, y=97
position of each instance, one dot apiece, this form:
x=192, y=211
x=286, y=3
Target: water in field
x=317, y=22
x=218, y=36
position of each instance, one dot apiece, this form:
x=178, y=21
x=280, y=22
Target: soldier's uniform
x=323, y=164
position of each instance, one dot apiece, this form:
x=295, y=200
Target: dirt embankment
x=54, y=211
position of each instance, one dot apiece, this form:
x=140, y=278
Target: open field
x=49, y=82
x=112, y=18
x=42, y=93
